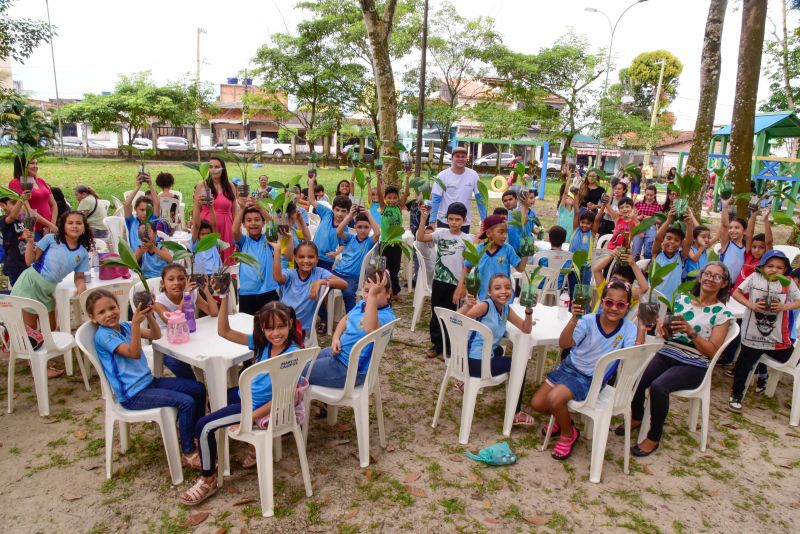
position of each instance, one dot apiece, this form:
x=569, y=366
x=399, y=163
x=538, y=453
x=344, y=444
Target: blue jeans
x=349, y=293
x=643, y=243
x=178, y=368
x=329, y=372
x=206, y=427
x=188, y=396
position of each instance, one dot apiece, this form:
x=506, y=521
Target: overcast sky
x=98, y=39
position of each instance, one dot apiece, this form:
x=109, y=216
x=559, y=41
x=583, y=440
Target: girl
x=345, y=187
x=223, y=203
x=647, y=207
x=671, y=196
x=697, y=257
x=300, y=286
x=629, y=273
x=765, y=324
x=589, y=338
x=165, y=181
x=612, y=206
x=51, y=259
x=135, y=209
x=330, y=369
x=119, y=349
x=493, y=312
x=731, y=240
x=152, y=257
x=566, y=211
x=755, y=245
x=208, y=261
x=89, y=204
x=274, y=333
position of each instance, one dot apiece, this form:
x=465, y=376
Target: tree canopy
x=20, y=37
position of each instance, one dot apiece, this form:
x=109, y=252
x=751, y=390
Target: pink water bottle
x=177, y=328
x=188, y=311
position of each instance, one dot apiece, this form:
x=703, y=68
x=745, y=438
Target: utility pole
x=245, y=120
x=654, y=116
x=421, y=111
x=197, y=90
x=55, y=82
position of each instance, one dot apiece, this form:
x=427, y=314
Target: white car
x=172, y=143
x=491, y=159
x=234, y=145
x=142, y=143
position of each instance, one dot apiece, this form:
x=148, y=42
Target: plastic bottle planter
x=726, y=190
x=527, y=247
x=27, y=184
x=222, y=281
x=272, y=230
x=244, y=190
x=142, y=299
x=648, y=312
x=378, y=264
x=283, y=224
x=582, y=296
x=209, y=197
x=29, y=221
x=681, y=205
x=768, y=301
x=473, y=282
x=199, y=281
x=528, y=295
x=668, y=319
x=623, y=250
x=143, y=231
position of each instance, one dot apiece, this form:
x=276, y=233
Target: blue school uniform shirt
x=733, y=258
x=132, y=224
x=591, y=343
x=252, y=281
x=375, y=211
x=325, y=237
x=580, y=240
x=261, y=386
x=354, y=331
x=690, y=265
x=515, y=235
x=294, y=293
x=126, y=376
x=496, y=321
x=499, y=262
x=58, y=260
x=208, y=261
x=673, y=279
x=353, y=254
x=153, y=264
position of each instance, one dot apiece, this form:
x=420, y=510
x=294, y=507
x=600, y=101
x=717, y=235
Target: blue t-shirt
x=515, y=235
x=673, y=279
x=58, y=260
x=354, y=331
x=294, y=293
x=251, y=281
x=153, y=264
x=375, y=211
x=591, y=343
x=733, y=258
x=690, y=265
x=353, y=254
x=496, y=321
x=499, y=262
x=126, y=376
x=580, y=240
x=325, y=237
x=132, y=224
x=261, y=387
x=208, y=261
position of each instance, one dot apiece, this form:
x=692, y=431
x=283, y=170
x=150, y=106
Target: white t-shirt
x=449, y=255
x=163, y=299
x=767, y=331
x=460, y=188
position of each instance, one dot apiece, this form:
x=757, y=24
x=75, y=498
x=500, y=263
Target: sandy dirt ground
x=747, y=481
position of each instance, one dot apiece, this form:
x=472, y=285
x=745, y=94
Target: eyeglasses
x=713, y=276
x=611, y=304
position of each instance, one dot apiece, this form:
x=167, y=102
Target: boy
x=330, y=218
x=697, y=257
x=449, y=264
x=209, y=261
x=391, y=203
x=527, y=219
x=136, y=211
x=256, y=286
x=501, y=212
x=13, y=234
x=499, y=257
x=671, y=246
x=356, y=247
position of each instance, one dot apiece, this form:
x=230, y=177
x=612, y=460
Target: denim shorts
x=577, y=382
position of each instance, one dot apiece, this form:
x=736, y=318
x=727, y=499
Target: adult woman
x=41, y=196
x=671, y=174
x=671, y=196
x=263, y=187
x=682, y=363
x=223, y=201
x=591, y=192
x=88, y=203
x=619, y=192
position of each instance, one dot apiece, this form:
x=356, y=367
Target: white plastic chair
x=155, y=288
x=555, y=262
x=409, y=239
x=335, y=298
x=459, y=328
x=117, y=202
x=284, y=371
x=604, y=402
x=103, y=205
x=423, y=288
x=164, y=417
x=603, y=240
x=55, y=344
x=716, y=248
x=127, y=193
x=116, y=231
x=699, y=397
x=311, y=330
x=790, y=368
x=357, y=397
x=121, y=291
x=643, y=264
x=790, y=251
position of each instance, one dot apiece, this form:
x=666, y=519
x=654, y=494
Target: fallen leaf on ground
x=242, y=517
x=71, y=497
x=731, y=426
x=244, y=530
x=47, y=421
x=795, y=504
x=372, y=474
x=230, y=488
x=538, y=520
x=195, y=519
x=324, y=470
x=243, y=502
x=793, y=435
x=372, y=459
x=646, y=469
x=390, y=448
x=222, y=530
x=122, y=470
x=411, y=477
x=91, y=467
x=473, y=477
x=712, y=493
x=337, y=442
x=487, y=503
x=343, y=427
x=415, y=491
x=491, y=520
x=351, y=513
x=456, y=458
x=79, y=434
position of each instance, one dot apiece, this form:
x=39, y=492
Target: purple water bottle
x=188, y=311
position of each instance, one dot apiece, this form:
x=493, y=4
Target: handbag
x=109, y=272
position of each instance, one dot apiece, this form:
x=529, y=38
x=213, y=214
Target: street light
x=613, y=28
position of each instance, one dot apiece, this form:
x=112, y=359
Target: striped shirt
x=702, y=319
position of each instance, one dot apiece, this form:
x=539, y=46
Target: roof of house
x=780, y=124
x=678, y=137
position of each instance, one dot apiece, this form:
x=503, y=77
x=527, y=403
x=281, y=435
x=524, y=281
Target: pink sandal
x=565, y=446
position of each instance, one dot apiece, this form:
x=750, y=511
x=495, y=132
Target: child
x=151, y=255
x=136, y=211
x=345, y=188
x=566, y=211
x=755, y=246
x=274, y=333
x=356, y=247
x=493, y=312
x=325, y=238
x=298, y=231
x=527, y=219
x=765, y=324
x=501, y=212
x=449, y=244
x=628, y=273
x=624, y=219
x=671, y=246
x=647, y=207
x=499, y=257
x=697, y=257
x=256, y=286
x=165, y=181
x=589, y=338
x=731, y=240
x=300, y=286
x=14, y=236
x=207, y=261
x=51, y=259
x=330, y=368
x=510, y=200
x=391, y=203
x=119, y=349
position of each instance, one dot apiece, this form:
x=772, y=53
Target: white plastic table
x=547, y=327
x=65, y=292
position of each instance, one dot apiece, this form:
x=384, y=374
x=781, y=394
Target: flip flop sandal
x=564, y=447
x=53, y=372
x=523, y=419
x=250, y=460
x=198, y=493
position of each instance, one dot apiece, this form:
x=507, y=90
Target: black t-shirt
x=593, y=196
x=14, y=246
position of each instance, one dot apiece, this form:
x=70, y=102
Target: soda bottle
x=188, y=310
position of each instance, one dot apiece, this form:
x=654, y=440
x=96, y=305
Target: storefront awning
x=603, y=152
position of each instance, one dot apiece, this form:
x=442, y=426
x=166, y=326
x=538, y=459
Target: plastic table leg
x=519, y=361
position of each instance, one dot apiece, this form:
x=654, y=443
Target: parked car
x=355, y=147
x=273, y=147
x=172, y=143
x=491, y=159
x=71, y=141
x=436, y=155
x=142, y=143
x=234, y=145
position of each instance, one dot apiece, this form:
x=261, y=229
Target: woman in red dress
x=224, y=198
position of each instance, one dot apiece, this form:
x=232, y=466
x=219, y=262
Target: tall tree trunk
x=709, y=87
x=751, y=43
x=379, y=27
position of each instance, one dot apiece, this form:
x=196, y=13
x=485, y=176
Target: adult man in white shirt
x=460, y=183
